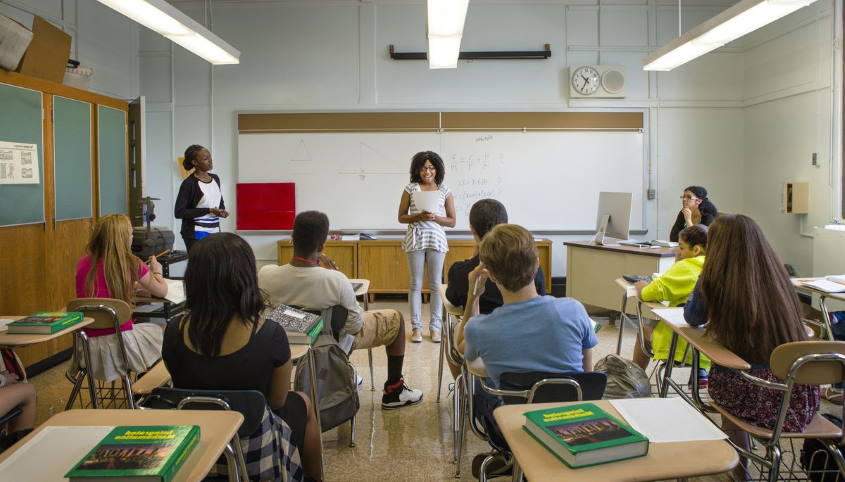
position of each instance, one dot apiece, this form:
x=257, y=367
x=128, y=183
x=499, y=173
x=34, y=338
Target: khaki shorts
x=380, y=328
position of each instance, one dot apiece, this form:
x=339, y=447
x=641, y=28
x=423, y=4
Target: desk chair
x=459, y=405
x=250, y=403
x=806, y=363
x=450, y=313
x=629, y=294
x=539, y=387
x=107, y=313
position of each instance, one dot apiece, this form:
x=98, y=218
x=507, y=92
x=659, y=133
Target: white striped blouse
x=426, y=234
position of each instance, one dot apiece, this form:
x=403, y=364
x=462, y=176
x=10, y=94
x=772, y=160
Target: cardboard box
x=14, y=39
x=47, y=55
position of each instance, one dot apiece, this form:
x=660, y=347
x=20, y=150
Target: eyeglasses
x=689, y=198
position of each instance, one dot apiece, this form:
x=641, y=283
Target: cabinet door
x=344, y=254
x=385, y=265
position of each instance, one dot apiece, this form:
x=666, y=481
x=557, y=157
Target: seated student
x=745, y=294
x=110, y=270
x=16, y=393
x=528, y=332
x=305, y=284
x=674, y=286
x=483, y=216
x=224, y=343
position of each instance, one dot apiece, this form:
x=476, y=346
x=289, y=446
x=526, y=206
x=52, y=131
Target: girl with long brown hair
x=110, y=270
x=747, y=300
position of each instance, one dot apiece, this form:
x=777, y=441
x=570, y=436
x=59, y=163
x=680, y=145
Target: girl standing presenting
x=200, y=202
x=426, y=207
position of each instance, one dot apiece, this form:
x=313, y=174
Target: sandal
x=833, y=395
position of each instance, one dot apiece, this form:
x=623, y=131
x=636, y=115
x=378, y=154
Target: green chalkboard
x=111, y=145
x=21, y=122
x=72, y=158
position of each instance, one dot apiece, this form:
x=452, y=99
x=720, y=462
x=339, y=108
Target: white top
x=426, y=234
x=314, y=288
x=211, y=197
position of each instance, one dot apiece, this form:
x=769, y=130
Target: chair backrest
x=107, y=312
x=452, y=309
x=823, y=370
x=335, y=317
x=250, y=403
x=542, y=387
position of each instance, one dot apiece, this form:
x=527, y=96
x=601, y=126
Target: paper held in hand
x=175, y=291
x=427, y=201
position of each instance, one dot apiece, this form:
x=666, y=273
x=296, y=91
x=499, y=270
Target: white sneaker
x=399, y=395
x=359, y=380
x=416, y=336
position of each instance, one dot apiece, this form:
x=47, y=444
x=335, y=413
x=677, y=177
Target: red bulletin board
x=266, y=206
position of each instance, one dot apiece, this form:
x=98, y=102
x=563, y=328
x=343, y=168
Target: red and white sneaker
x=399, y=395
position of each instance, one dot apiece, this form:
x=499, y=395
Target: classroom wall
x=788, y=105
x=332, y=56
x=103, y=39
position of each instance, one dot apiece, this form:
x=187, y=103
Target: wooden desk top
x=216, y=429
x=656, y=252
x=365, y=286
x=702, y=342
x=796, y=282
x=17, y=339
x=673, y=460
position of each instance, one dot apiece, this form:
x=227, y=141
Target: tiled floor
x=412, y=444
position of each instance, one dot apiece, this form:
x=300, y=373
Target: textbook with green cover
x=582, y=435
x=152, y=453
x=45, y=322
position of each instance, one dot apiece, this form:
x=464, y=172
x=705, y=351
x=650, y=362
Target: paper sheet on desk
x=667, y=420
x=63, y=447
x=674, y=316
x=175, y=291
x=3, y=323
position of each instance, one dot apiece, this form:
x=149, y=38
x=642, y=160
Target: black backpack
x=817, y=461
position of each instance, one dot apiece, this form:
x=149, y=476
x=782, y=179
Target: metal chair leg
x=456, y=418
x=372, y=376
x=442, y=355
x=315, y=402
x=127, y=386
x=352, y=431
x=95, y=402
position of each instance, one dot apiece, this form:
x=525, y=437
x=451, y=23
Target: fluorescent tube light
x=731, y=24
x=445, y=29
x=160, y=16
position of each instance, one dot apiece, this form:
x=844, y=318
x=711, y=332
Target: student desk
x=701, y=343
x=216, y=430
x=823, y=296
x=671, y=460
x=13, y=340
x=363, y=292
x=169, y=311
x=592, y=269
x=644, y=308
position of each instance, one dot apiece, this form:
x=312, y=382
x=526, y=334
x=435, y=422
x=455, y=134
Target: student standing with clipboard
x=426, y=207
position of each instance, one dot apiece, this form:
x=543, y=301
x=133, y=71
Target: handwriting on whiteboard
x=474, y=176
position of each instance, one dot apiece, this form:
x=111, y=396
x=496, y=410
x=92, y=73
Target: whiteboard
x=549, y=181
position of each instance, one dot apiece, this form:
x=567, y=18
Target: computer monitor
x=614, y=216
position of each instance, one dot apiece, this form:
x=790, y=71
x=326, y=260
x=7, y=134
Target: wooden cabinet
x=385, y=264
x=343, y=253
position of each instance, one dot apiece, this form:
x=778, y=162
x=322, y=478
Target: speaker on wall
x=597, y=81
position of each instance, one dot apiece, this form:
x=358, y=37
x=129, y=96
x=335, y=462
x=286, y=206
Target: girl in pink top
x=110, y=270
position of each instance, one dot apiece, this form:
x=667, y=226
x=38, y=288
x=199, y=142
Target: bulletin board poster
x=18, y=163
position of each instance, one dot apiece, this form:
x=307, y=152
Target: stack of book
x=138, y=453
x=44, y=323
x=582, y=435
x=301, y=327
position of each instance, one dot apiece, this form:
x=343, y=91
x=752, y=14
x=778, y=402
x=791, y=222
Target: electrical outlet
x=650, y=194
x=815, y=160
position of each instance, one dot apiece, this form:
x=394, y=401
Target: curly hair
x=418, y=161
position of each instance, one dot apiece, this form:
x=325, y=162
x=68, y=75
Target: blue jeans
x=431, y=260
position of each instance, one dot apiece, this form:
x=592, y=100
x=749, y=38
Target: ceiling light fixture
x=445, y=29
x=160, y=16
x=731, y=24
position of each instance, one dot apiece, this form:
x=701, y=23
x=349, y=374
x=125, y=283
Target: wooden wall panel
x=23, y=287
x=70, y=239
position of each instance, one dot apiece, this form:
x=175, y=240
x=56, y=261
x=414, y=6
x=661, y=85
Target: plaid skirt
x=759, y=405
x=269, y=453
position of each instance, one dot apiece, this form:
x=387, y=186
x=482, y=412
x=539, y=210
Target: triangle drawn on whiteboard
x=301, y=154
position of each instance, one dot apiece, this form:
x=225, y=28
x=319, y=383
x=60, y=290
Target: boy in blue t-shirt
x=529, y=332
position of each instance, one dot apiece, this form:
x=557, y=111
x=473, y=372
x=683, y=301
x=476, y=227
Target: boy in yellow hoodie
x=675, y=286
